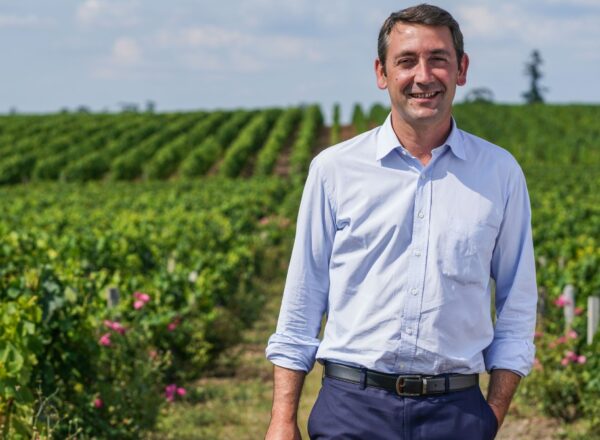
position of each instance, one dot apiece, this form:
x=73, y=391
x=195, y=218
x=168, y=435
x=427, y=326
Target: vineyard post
x=569, y=309
x=112, y=297
x=593, y=317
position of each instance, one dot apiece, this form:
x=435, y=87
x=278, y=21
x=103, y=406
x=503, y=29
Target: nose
x=423, y=73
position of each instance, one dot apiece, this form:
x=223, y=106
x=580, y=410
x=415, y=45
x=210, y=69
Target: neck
x=419, y=140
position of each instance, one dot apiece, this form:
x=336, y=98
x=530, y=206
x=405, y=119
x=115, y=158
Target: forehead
x=419, y=38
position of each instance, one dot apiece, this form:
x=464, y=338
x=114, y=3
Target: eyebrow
x=413, y=53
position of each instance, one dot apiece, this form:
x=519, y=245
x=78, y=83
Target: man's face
x=421, y=73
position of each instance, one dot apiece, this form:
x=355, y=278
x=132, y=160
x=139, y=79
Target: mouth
x=428, y=95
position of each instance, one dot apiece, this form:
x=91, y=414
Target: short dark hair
x=421, y=14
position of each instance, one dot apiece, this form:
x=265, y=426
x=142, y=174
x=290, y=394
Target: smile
x=423, y=95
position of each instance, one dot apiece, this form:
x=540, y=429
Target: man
x=402, y=233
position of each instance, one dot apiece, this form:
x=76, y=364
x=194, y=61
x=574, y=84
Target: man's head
x=420, y=63
x=422, y=14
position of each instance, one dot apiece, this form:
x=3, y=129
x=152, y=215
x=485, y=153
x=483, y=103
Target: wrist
x=284, y=416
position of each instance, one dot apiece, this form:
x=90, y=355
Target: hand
x=498, y=413
x=283, y=431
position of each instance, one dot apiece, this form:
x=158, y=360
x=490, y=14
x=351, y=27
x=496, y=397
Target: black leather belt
x=403, y=384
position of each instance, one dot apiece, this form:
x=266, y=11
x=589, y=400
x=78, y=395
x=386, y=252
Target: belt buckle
x=400, y=383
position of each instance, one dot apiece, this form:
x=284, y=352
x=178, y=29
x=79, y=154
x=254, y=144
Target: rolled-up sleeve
x=294, y=344
x=513, y=269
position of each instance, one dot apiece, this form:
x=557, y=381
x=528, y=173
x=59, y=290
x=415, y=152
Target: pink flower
x=144, y=297
x=558, y=341
x=572, y=356
x=564, y=362
x=572, y=334
x=264, y=221
x=581, y=359
x=105, y=339
x=115, y=326
x=138, y=304
x=538, y=335
x=153, y=354
x=171, y=390
x=98, y=403
x=561, y=301
x=174, y=324
x=537, y=364
x=141, y=299
x=578, y=310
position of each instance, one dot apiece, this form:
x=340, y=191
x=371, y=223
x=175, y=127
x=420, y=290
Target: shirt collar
x=388, y=141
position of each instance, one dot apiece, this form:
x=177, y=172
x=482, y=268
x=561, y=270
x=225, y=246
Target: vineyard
x=133, y=247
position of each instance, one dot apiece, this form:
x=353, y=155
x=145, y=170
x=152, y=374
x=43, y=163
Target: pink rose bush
x=560, y=382
x=105, y=340
x=173, y=390
x=140, y=300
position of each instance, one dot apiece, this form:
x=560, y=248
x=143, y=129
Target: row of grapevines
x=303, y=148
x=51, y=167
x=19, y=163
x=166, y=161
x=182, y=258
x=128, y=165
x=249, y=141
x=279, y=135
x=95, y=165
x=199, y=160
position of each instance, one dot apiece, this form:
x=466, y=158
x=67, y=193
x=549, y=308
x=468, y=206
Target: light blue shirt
x=402, y=258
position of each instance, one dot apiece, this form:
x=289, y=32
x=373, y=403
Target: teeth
x=424, y=95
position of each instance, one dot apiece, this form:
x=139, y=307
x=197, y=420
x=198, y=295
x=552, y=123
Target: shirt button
x=421, y=215
x=423, y=177
x=417, y=253
x=414, y=291
x=409, y=331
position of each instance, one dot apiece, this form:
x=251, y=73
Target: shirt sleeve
x=513, y=269
x=295, y=342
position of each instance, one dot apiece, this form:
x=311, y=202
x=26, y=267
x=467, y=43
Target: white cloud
x=124, y=61
x=126, y=52
x=23, y=21
x=482, y=21
x=514, y=22
x=215, y=48
x=108, y=13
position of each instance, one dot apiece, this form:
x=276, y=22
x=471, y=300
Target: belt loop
x=323, y=372
x=363, y=378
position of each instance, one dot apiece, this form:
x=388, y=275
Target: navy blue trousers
x=345, y=411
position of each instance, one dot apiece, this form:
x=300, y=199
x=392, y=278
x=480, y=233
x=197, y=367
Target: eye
x=439, y=60
x=404, y=62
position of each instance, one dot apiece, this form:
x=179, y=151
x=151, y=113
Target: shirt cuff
x=292, y=352
x=510, y=354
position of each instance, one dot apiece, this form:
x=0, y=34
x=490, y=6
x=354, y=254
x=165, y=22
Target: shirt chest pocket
x=465, y=252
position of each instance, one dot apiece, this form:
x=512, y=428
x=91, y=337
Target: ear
x=462, y=70
x=380, y=73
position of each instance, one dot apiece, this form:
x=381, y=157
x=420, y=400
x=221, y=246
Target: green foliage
x=192, y=252
x=169, y=156
x=249, y=141
x=335, y=136
x=302, y=150
x=201, y=158
x=281, y=132
x=377, y=114
x=359, y=120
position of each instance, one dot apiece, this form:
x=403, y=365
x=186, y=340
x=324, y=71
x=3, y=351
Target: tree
x=532, y=70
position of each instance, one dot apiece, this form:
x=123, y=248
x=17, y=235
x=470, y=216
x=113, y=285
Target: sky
x=185, y=54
